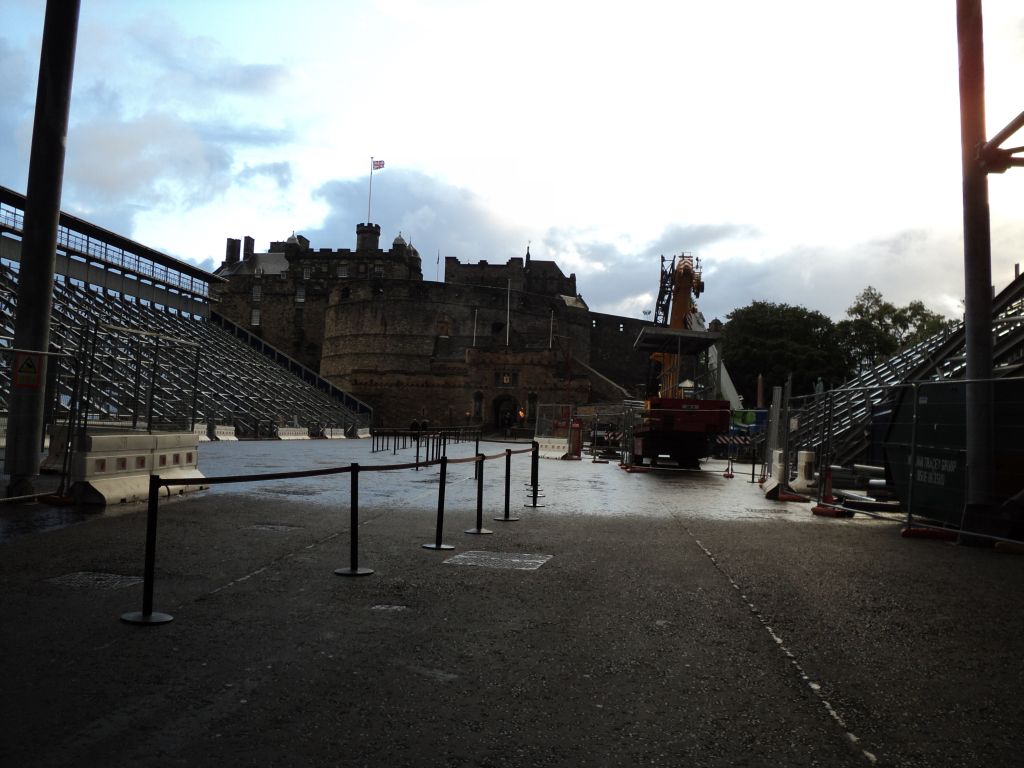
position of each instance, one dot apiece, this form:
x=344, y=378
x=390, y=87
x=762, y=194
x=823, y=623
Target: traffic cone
x=829, y=505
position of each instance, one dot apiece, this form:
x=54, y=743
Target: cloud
x=621, y=278
x=280, y=173
x=191, y=67
x=625, y=279
x=16, y=95
x=906, y=266
x=432, y=215
x=156, y=160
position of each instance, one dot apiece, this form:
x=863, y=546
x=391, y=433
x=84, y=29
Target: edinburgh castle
x=486, y=346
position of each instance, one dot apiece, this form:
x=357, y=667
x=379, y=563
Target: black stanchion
x=478, y=466
x=354, y=569
x=534, y=471
x=508, y=487
x=479, y=530
x=440, y=509
x=417, y=451
x=147, y=616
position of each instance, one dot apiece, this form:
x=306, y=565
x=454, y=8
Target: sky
x=803, y=150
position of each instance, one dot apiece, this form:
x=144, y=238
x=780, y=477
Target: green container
x=937, y=487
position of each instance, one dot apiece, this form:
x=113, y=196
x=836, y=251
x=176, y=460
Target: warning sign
x=28, y=370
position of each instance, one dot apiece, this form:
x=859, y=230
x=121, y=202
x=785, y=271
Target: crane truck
x=683, y=413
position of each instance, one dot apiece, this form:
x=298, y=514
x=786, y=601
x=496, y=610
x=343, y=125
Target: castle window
x=622, y=327
x=257, y=292
x=362, y=269
x=300, y=294
x=306, y=271
x=594, y=322
x=378, y=270
x=342, y=270
x=254, y=318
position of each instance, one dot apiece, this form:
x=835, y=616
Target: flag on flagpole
x=378, y=164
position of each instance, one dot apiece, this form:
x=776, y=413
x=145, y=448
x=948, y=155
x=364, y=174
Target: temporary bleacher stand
x=156, y=350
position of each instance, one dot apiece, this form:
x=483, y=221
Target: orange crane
x=685, y=285
x=676, y=422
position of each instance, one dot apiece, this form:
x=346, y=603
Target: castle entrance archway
x=504, y=410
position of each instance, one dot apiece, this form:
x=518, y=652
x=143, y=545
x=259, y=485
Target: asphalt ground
x=676, y=619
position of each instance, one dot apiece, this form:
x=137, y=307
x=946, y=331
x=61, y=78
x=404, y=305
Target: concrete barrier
x=110, y=468
x=292, y=433
x=334, y=433
x=778, y=467
x=363, y=432
x=804, y=481
x=225, y=432
x=552, y=447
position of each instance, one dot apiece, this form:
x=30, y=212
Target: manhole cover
x=513, y=560
x=271, y=527
x=91, y=579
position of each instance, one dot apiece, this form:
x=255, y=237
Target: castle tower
x=367, y=237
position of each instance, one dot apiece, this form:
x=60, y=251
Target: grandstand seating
x=857, y=403
x=145, y=366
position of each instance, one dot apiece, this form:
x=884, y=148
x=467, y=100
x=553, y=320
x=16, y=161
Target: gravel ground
x=669, y=619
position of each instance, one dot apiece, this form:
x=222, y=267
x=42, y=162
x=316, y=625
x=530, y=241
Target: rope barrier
x=147, y=616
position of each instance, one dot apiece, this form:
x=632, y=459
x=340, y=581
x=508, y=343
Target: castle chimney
x=233, y=249
x=249, y=248
x=367, y=237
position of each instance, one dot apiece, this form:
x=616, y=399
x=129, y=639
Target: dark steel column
x=977, y=261
x=39, y=240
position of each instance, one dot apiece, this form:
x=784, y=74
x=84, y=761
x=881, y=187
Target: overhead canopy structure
x=686, y=355
x=677, y=341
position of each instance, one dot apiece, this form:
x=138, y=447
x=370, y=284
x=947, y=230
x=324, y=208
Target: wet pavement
x=671, y=619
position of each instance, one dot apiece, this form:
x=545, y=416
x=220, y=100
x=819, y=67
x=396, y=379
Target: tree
x=877, y=329
x=777, y=340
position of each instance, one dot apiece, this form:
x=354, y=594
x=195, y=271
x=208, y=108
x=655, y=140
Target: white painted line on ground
x=813, y=686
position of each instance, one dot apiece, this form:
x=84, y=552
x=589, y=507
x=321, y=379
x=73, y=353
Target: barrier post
x=508, y=487
x=354, y=569
x=440, y=509
x=534, y=467
x=478, y=466
x=417, y=451
x=479, y=530
x=147, y=616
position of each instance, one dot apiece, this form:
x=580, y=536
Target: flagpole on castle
x=374, y=165
x=369, y=196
